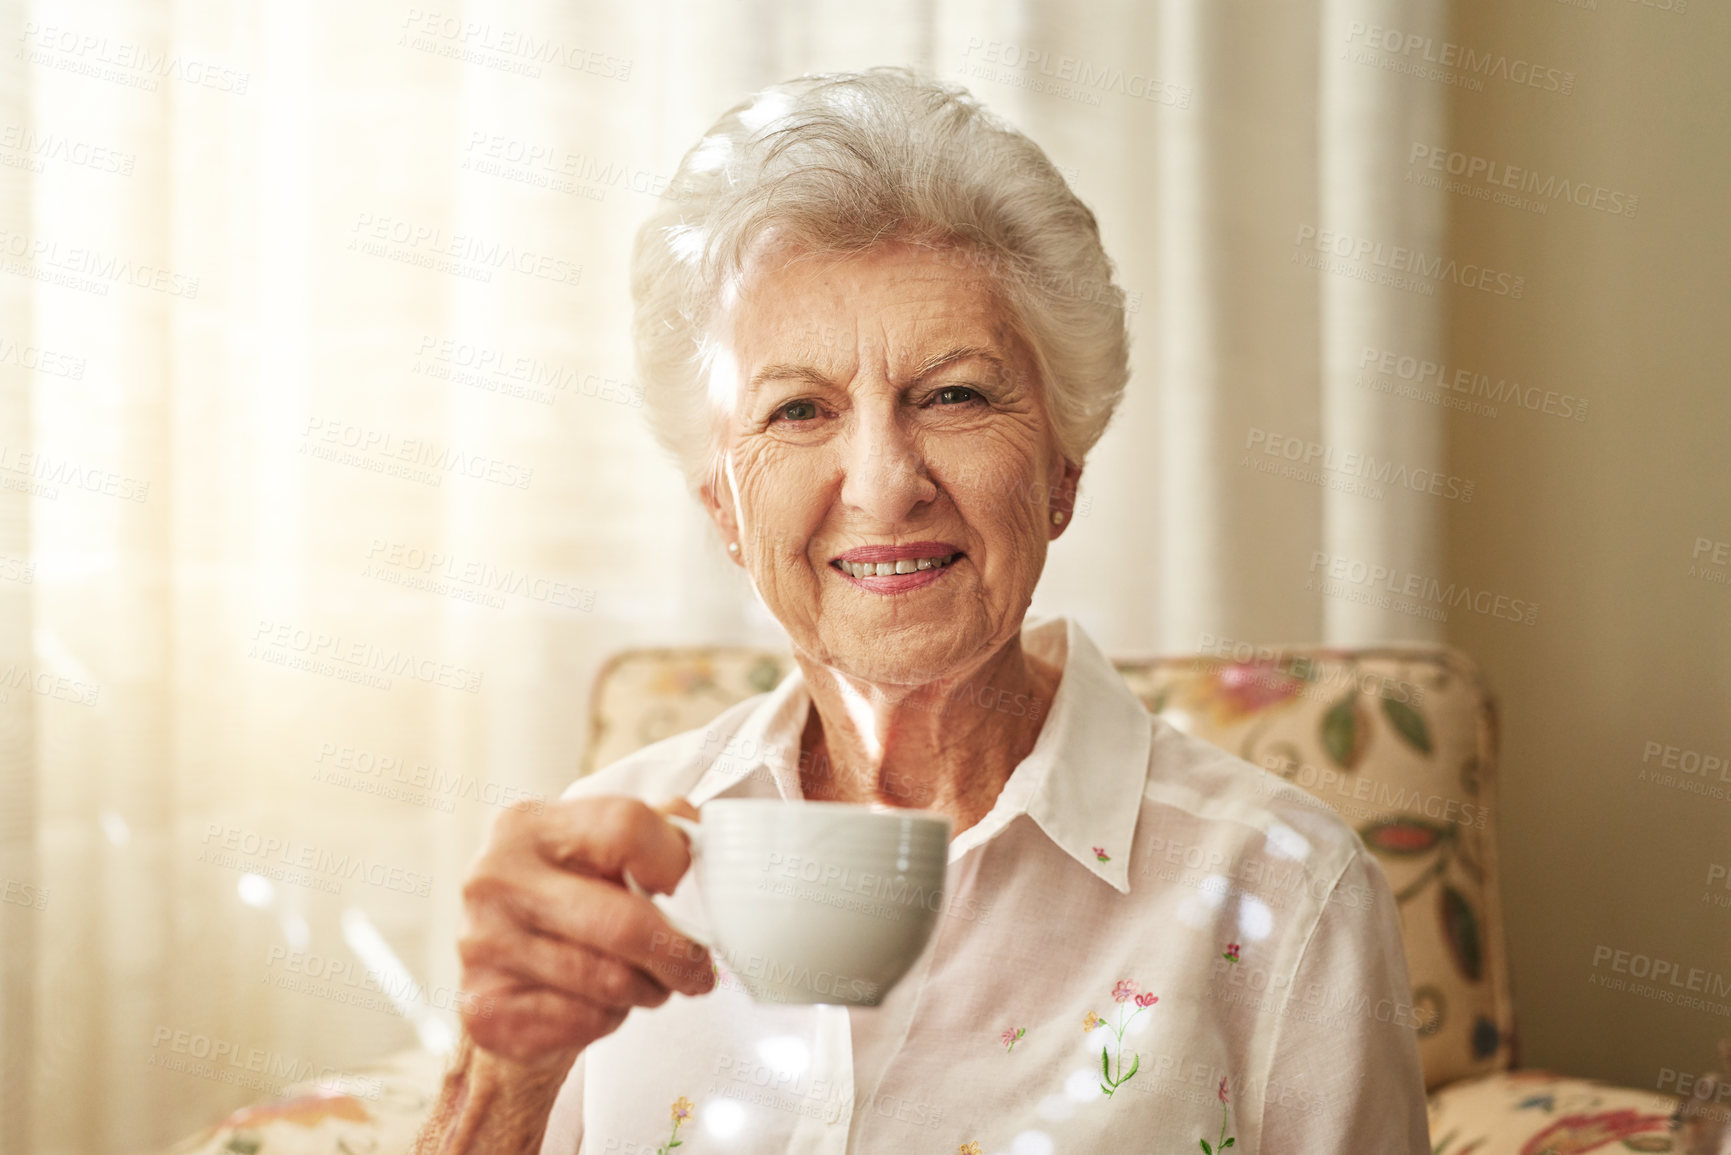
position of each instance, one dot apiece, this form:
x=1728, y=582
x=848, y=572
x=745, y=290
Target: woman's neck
x=947, y=746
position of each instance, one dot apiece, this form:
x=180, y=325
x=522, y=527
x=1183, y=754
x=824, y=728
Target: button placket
x=915, y=982
x=827, y=1132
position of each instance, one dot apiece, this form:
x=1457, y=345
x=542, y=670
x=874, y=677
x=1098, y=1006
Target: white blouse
x=1140, y=913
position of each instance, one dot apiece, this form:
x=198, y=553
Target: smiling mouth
x=905, y=565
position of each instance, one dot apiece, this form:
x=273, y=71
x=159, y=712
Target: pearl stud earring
x=1057, y=517
x=733, y=548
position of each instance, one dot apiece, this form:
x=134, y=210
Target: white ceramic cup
x=817, y=902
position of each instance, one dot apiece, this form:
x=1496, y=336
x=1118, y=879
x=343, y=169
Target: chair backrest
x=1400, y=741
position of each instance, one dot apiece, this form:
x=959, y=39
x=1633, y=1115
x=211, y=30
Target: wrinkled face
x=890, y=472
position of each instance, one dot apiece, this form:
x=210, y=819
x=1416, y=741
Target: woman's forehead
x=906, y=303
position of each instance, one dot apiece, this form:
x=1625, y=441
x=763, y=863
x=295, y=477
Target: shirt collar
x=1083, y=781
x=759, y=759
x=1081, y=784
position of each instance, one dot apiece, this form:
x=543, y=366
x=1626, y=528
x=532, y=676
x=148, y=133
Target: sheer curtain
x=326, y=486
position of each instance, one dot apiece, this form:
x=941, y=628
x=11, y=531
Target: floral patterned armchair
x=1401, y=742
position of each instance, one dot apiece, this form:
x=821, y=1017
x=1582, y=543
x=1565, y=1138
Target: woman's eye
x=954, y=395
x=797, y=411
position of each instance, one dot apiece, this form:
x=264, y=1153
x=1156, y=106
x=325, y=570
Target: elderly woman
x=880, y=334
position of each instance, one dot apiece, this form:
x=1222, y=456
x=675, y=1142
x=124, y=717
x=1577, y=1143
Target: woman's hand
x=556, y=951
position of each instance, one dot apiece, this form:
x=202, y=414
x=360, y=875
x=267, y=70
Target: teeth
x=889, y=568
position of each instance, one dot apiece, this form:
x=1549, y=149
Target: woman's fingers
x=569, y=968
x=609, y=919
x=608, y=836
x=556, y=875
x=556, y=951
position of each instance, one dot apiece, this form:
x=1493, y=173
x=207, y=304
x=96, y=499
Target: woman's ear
x=717, y=497
x=1064, y=500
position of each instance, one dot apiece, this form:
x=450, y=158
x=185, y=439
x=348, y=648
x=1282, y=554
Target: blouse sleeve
x=1345, y=1038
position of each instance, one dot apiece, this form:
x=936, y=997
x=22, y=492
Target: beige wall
x=1597, y=520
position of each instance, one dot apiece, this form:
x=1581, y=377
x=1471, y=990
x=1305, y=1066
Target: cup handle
x=694, y=838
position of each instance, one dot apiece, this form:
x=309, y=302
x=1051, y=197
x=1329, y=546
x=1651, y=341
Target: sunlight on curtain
x=1363, y=121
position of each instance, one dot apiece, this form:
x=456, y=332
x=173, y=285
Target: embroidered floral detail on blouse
x=1011, y=1037
x=1112, y=1057
x=681, y=1112
x=1224, y=1141
x=968, y=1149
x=1100, y=853
x=1231, y=954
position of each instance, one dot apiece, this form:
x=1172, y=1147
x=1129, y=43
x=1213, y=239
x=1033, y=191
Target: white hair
x=836, y=164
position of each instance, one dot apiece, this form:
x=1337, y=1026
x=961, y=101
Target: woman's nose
x=886, y=476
